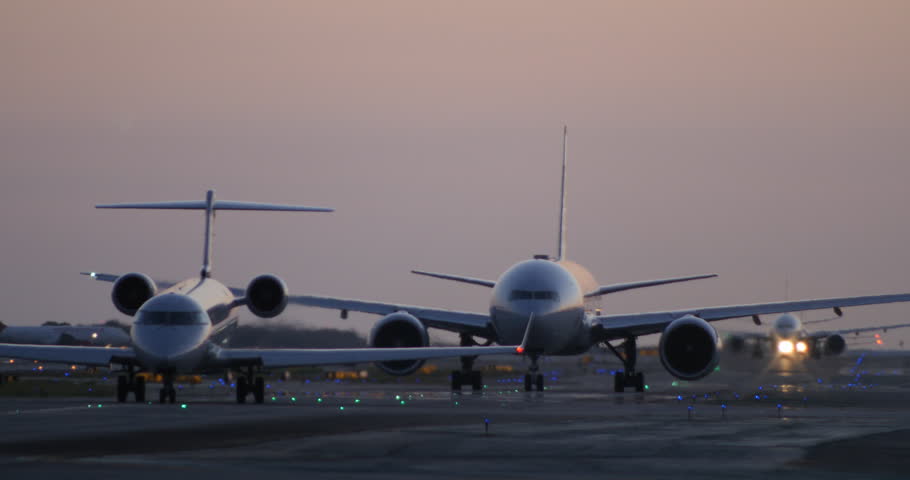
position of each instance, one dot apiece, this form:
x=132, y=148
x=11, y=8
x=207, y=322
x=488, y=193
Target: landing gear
x=247, y=385
x=534, y=379
x=467, y=375
x=628, y=377
x=130, y=383
x=167, y=394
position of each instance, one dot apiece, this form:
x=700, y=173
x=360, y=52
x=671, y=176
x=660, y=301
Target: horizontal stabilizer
x=217, y=205
x=619, y=287
x=457, y=278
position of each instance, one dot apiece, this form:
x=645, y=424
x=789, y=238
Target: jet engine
x=688, y=348
x=400, y=329
x=835, y=345
x=131, y=291
x=267, y=296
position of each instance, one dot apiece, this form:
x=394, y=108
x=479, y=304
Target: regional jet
x=177, y=329
x=548, y=306
x=789, y=337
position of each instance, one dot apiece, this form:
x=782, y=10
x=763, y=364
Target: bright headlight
x=785, y=346
x=801, y=347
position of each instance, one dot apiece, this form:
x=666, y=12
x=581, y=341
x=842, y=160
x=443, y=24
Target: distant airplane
x=177, y=329
x=789, y=337
x=64, y=335
x=548, y=305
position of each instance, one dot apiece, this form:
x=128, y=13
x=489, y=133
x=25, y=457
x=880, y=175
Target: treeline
x=284, y=336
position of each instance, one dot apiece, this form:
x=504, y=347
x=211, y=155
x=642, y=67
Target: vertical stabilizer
x=209, y=234
x=561, y=252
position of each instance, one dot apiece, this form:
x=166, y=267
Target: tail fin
x=210, y=206
x=561, y=253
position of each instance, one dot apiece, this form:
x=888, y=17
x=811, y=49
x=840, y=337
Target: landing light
x=801, y=347
x=94, y=335
x=785, y=346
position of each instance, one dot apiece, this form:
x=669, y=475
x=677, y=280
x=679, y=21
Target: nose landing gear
x=534, y=378
x=167, y=394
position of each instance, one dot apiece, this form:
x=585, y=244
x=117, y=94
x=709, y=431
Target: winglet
x=101, y=277
x=524, y=341
x=561, y=249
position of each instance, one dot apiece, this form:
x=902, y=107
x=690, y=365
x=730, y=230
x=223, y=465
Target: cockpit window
x=172, y=318
x=533, y=295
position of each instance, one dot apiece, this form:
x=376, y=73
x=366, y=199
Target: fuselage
x=788, y=335
x=553, y=292
x=173, y=329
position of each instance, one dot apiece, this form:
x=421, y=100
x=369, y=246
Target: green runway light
x=183, y=405
x=99, y=405
x=89, y=406
x=273, y=399
x=402, y=402
x=717, y=368
x=356, y=400
x=340, y=408
x=318, y=400
x=293, y=399
x=674, y=384
x=647, y=387
x=397, y=397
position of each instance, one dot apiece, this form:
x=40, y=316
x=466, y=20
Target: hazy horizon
x=757, y=141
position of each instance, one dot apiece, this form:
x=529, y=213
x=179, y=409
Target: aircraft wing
x=90, y=356
x=625, y=325
x=282, y=358
x=112, y=277
x=857, y=331
x=451, y=320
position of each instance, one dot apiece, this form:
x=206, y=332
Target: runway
x=577, y=428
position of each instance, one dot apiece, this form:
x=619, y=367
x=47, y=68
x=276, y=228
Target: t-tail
x=210, y=205
x=561, y=249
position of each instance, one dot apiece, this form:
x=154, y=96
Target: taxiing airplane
x=177, y=330
x=64, y=335
x=547, y=305
x=789, y=337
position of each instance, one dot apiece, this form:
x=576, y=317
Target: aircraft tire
x=639, y=382
x=456, y=380
x=241, y=390
x=259, y=390
x=139, y=384
x=539, y=382
x=122, y=388
x=162, y=395
x=619, y=382
x=172, y=395
x=528, y=383
x=476, y=381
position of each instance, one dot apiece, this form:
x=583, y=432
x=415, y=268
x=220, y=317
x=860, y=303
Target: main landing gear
x=247, y=384
x=467, y=375
x=628, y=377
x=534, y=379
x=130, y=383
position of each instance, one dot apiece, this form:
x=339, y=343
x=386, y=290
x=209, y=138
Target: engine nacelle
x=688, y=348
x=267, y=296
x=131, y=291
x=835, y=345
x=400, y=329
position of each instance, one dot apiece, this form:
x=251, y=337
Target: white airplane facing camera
x=177, y=329
x=548, y=305
x=788, y=337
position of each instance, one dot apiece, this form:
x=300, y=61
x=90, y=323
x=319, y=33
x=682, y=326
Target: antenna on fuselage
x=211, y=206
x=561, y=250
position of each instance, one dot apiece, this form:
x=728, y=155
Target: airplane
x=177, y=330
x=548, y=305
x=64, y=335
x=789, y=337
